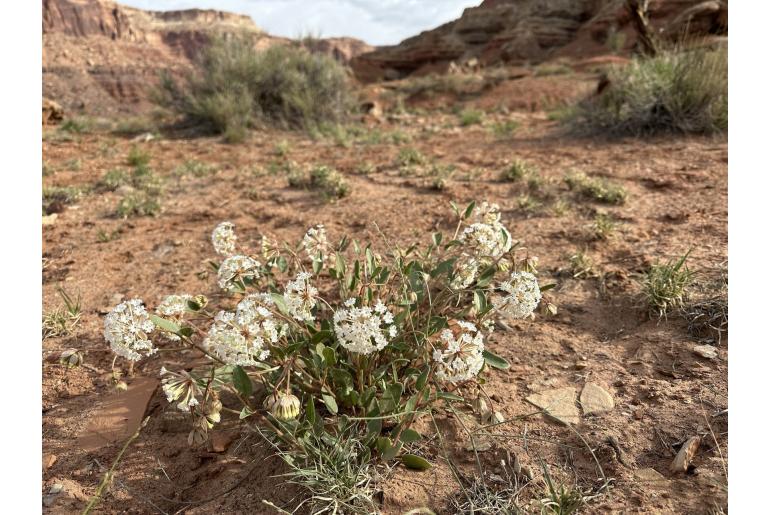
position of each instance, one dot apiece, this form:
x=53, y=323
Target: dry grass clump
x=238, y=87
x=594, y=188
x=322, y=178
x=665, y=286
x=676, y=91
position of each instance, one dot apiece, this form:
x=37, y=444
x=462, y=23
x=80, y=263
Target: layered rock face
x=103, y=58
x=519, y=31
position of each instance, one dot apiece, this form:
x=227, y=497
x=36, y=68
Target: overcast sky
x=378, y=22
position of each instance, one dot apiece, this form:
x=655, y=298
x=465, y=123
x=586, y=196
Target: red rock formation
x=519, y=31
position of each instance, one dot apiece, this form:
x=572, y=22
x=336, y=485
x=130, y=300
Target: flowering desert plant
x=323, y=339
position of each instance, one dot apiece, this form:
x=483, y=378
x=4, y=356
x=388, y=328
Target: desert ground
x=664, y=392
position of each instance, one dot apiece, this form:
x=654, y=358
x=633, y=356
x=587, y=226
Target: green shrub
x=506, y=129
x=676, y=91
x=238, y=87
x=598, y=189
x=665, y=285
x=138, y=203
x=325, y=179
x=410, y=156
x=55, y=197
x=516, y=171
x=470, y=117
x=138, y=157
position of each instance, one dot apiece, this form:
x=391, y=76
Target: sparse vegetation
x=603, y=226
x=469, y=117
x=138, y=157
x=505, y=130
x=682, y=90
x=516, y=171
x=409, y=156
x=325, y=179
x=581, y=265
x=62, y=320
x=56, y=197
x=665, y=286
x=195, y=168
x=239, y=88
x=597, y=189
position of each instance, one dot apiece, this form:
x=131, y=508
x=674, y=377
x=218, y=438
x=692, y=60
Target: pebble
x=596, y=400
x=705, y=351
x=559, y=404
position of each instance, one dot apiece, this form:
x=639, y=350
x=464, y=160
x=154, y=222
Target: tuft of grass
x=327, y=180
x=597, y=189
x=282, y=148
x=238, y=87
x=143, y=191
x=114, y=179
x=63, y=320
x=336, y=472
x=138, y=157
x=560, y=499
x=665, y=285
x=409, y=156
x=470, y=117
x=516, y=171
x=528, y=203
x=138, y=203
x=440, y=176
x=581, y=266
x=680, y=90
x=603, y=226
x=195, y=168
x=505, y=130
x=76, y=126
x=560, y=208
x=56, y=197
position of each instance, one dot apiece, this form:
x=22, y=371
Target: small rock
x=596, y=400
x=50, y=219
x=219, y=441
x=53, y=492
x=705, y=351
x=48, y=461
x=685, y=455
x=648, y=474
x=559, y=404
x=580, y=365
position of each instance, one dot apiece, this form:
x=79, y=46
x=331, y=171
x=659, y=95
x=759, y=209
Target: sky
x=378, y=22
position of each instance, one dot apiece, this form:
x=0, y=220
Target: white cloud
x=378, y=22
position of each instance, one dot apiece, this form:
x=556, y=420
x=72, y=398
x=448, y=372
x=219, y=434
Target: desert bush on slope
x=676, y=91
x=237, y=87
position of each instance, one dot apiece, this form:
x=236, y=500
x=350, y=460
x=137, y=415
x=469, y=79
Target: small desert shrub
x=141, y=191
x=138, y=157
x=114, y=179
x=282, y=148
x=581, y=265
x=517, y=170
x=665, y=286
x=594, y=188
x=63, y=320
x=327, y=180
x=333, y=348
x=528, y=203
x=603, y=226
x=440, y=176
x=238, y=88
x=470, y=117
x=505, y=130
x=76, y=125
x=676, y=91
x=55, y=197
x=560, y=499
x=195, y=168
x=409, y=156
x=138, y=203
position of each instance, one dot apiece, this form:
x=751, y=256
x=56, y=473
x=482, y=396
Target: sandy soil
x=663, y=392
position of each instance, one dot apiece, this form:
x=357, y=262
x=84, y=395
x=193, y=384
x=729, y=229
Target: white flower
x=300, y=297
x=466, y=269
x=223, y=238
x=237, y=268
x=522, y=295
x=181, y=387
x=254, y=316
x=233, y=344
x=315, y=243
x=487, y=213
x=174, y=307
x=126, y=328
x=361, y=329
x=487, y=240
x=458, y=353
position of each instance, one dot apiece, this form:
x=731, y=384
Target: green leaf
x=310, y=411
x=330, y=356
x=409, y=436
x=414, y=462
x=186, y=331
x=383, y=444
x=437, y=237
x=422, y=380
x=469, y=210
x=317, y=266
x=330, y=402
x=450, y=397
x=164, y=324
x=548, y=287
x=245, y=412
x=242, y=381
x=280, y=303
x=193, y=306
x=392, y=451
x=495, y=361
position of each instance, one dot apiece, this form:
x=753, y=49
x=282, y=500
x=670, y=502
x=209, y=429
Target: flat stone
x=705, y=351
x=596, y=400
x=649, y=475
x=119, y=416
x=558, y=404
x=48, y=460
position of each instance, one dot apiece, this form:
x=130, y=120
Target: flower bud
x=199, y=433
x=286, y=407
x=201, y=301
x=71, y=358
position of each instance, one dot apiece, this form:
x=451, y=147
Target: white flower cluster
x=223, y=238
x=316, y=244
x=487, y=237
x=522, y=295
x=234, y=346
x=126, y=328
x=254, y=316
x=300, y=297
x=174, y=307
x=488, y=213
x=458, y=355
x=237, y=268
x=363, y=330
x=466, y=269
x=181, y=387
